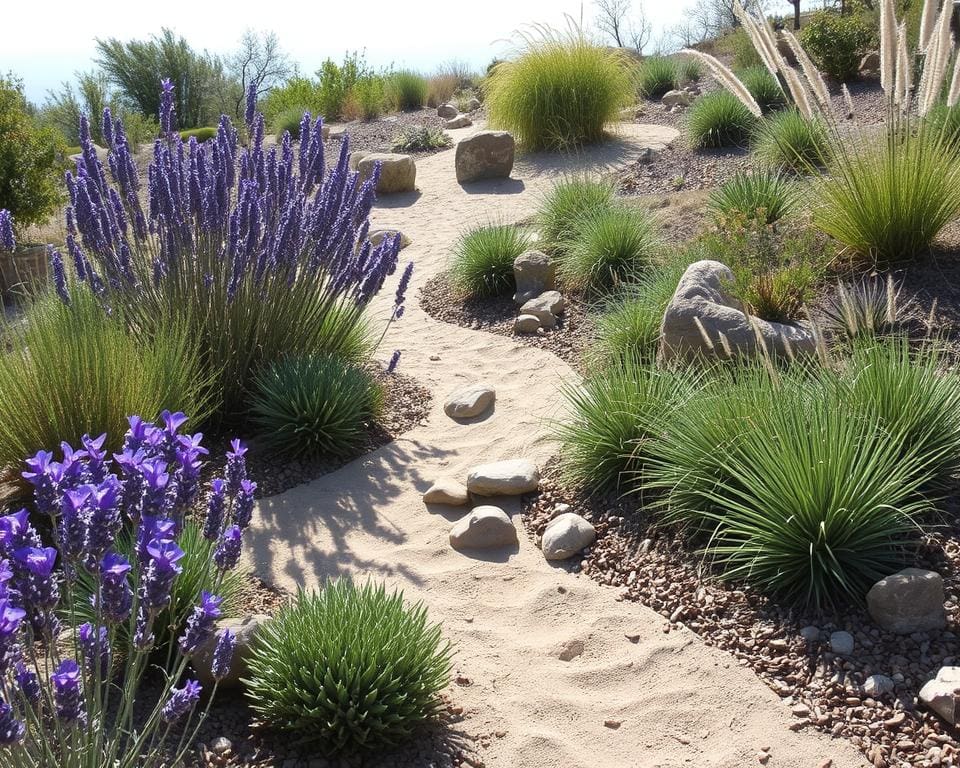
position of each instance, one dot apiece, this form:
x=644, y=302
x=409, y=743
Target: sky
x=45, y=43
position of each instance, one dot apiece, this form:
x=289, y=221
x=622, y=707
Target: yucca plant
x=567, y=202
x=763, y=194
x=483, y=259
x=609, y=247
x=719, y=119
x=788, y=141
x=348, y=668
x=863, y=310
x=658, y=74
x=764, y=88
x=314, y=406
x=789, y=489
x=612, y=418
x=560, y=90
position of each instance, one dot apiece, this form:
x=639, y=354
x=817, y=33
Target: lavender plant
x=64, y=702
x=258, y=247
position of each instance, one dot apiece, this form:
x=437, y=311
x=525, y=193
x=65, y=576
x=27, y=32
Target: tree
x=259, y=62
x=613, y=20
x=796, y=13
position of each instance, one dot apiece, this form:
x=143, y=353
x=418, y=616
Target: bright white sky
x=44, y=43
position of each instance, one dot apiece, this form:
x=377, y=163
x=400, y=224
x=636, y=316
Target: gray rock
x=376, y=237
x=534, y=273
x=460, y=121
x=484, y=155
x=245, y=630
x=870, y=64
x=841, y=643
x=547, y=306
x=486, y=527
x=704, y=319
x=221, y=745
x=673, y=99
x=941, y=693
x=469, y=401
x=398, y=173
x=566, y=535
x=810, y=633
x=569, y=650
x=472, y=105
x=526, y=324
x=504, y=478
x=908, y=601
x=447, y=111
x=447, y=491
x=877, y=685
x=355, y=157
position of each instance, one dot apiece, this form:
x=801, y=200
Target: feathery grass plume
x=927, y=23
x=814, y=78
x=904, y=77
x=848, y=101
x=954, y=94
x=770, y=56
x=888, y=42
x=938, y=58
x=799, y=92
x=723, y=75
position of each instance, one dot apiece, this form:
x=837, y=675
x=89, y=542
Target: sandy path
x=680, y=702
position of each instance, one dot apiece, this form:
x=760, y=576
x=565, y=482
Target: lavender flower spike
x=68, y=693
x=11, y=730
x=181, y=701
x=223, y=654
x=7, y=240
x=201, y=624
x=227, y=554
x=166, y=106
x=394, y=359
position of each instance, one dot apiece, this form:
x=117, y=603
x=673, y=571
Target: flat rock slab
x=566, y=535
x=447, y=491
x=398, y=173
x=470, y=401
x=504, y=478
x=460, y=121
x=486, y=527
x=546, y=307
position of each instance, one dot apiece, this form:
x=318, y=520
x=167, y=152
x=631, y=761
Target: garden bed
x=377, y=135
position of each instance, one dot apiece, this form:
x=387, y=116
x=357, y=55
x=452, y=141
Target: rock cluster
x=540, y=303
x=484, y=155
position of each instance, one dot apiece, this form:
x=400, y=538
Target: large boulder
x=447, y=111
x=245, y=629
x=486, y=527
x=673, y=99
x=469, y=401
x=460, y=121
x=908, y=601
x=504, y=478
x=534, y=272
x=704, y=319
x=485, y=155
x=566, y=535
x=942, y=693
x=398, y=173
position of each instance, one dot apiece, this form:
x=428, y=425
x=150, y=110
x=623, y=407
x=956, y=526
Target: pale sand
x=680, y=702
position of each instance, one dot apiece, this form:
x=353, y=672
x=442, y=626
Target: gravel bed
x=377, y=135
x=496, y=315
x=657, y=567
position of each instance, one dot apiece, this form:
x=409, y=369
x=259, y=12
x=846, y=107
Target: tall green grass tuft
x=764, y=88
x=567, y=202
x=886, y=202
x=288, y=121
x=764, y=195
x=73, y=370
x=406, y=90
x=719, y=119
x=560, y=90
x=788, y=141
x=609, y=247
x=483, y=259
x=862, y=310
x=657, y=75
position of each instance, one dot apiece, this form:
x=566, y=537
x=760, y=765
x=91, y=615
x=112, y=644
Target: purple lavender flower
x=17, y=533
x=227, y=554
x=142, y=632
x=7, y=240
x=403, y=284
x=115, y=592
x=11, y=730
x=236, y=466
x=72, y=526
x=223, y=654
x=158, y=575
x=45, y=476
x=394, y=359
x=251, y=109
x=68, y=694
x=10, y=618
x=200, y=624
x=59, y=277
x=95, y=649
x=152, y=529
x=243, y=506
x=28, y=683
x=181, y=701
x=166, y=106
x=35, y=580
x=216, y=508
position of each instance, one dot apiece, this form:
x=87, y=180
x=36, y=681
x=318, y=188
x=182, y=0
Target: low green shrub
x=788, y=488
x=719, y=119
x=367, y=99
x=335, y=84
x=289, y=121
x=568, y=201
x=837, y=43
x=92, y=374
x=348, y=669
x=740, y=48
x=314, y=406
x=406, y=90
x=613, y=417
x=886, y=201
x=483, y=259
x=299, y=94
x=764, y=88
x=560, y=91
x=609, y=247
x=420, y=138
x=788, y=141
x=763, y=195
x=200, y=134
x=658, y=74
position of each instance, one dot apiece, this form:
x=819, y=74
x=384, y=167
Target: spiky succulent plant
x=348, y=668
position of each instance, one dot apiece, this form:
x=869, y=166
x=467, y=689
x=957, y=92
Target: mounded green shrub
x=289, y=121
x=763, y=195
x=420, y=138
x=740, y=48
x=788, y=141
x=837, y=43
x=406, y=90
x=348, y=668
x=567, y=202
x=560, y=91
x=609, y=247
x=764, y=88
x=658, y=74
x=719, y=119
x=200, y=134
x=483, y=259
x=314, y=406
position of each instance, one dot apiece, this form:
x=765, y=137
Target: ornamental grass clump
x=862, y=310
x=348, y=668
x=69, y=693
x=483, y=259
x=658, y=74
x=719, y=119
x=763, y=195
x=560, y=90
x=566, y=203
x=788, y=141
x=764, y=88
x=258, y=247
